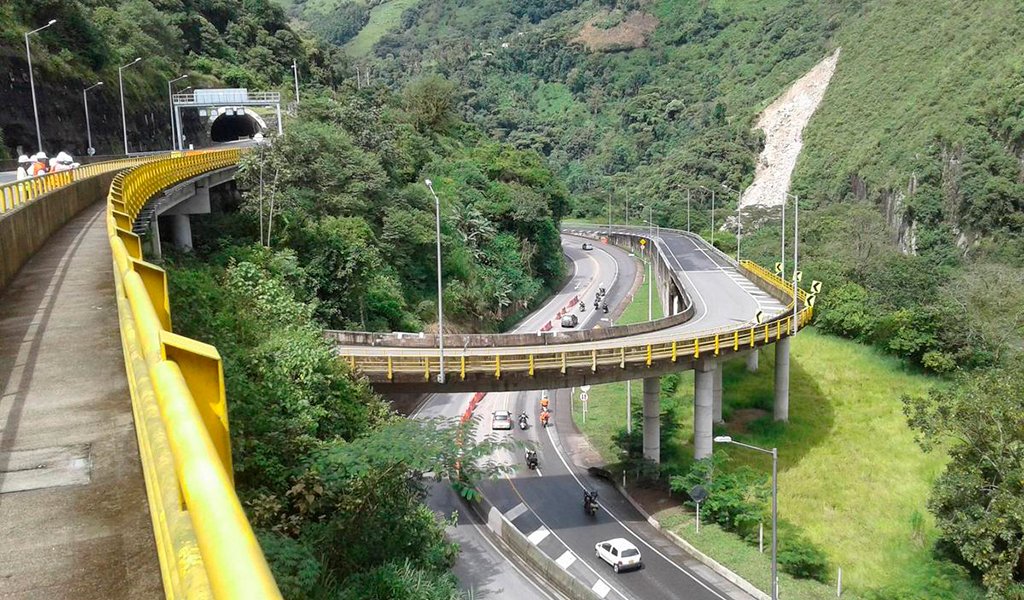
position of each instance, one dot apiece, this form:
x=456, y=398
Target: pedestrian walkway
x=74, y=522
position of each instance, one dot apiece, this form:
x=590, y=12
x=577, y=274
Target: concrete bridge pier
x=717, y=406
x=703, y=401
x=182, y=231
x=781, y=408
x=154, y=238
x=752, y=361
x=652, y=418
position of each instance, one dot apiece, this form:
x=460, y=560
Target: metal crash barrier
x=206, y=546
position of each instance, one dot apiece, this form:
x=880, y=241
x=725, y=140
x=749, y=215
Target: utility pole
x=295, y=72
x=796, y=249
x=687, y=210
x=782, y=252
x=32, y=84
x=170, y=104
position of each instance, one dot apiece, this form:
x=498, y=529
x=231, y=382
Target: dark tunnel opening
x=228, y=128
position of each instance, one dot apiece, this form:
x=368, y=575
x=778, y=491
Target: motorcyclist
x=604, y=307
x=590, y=500
x=544, y=417
x=583, y=307
x=544, y=402
x=531, y=459
x=524, y=420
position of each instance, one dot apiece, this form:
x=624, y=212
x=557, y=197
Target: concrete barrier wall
x=554, y=574
x=24, y=230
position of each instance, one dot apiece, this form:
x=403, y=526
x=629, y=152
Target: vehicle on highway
x=590, y=504
x=531, y=459
x=545, y=416
x=570, y=321
x=619, y=553
x=587, y=246
x=501, y=419
x=524, y=421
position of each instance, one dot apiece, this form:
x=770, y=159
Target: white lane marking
x=538, y=536
x=516, y=511
x=566, y=559
x=627, y=528
x=512, y=564
x=601, y=588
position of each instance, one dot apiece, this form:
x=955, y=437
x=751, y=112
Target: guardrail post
x=155, y=281
x=201, y=367
x=132, y=243
x=462, y=366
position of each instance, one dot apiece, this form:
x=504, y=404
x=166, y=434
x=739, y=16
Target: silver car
x=501, y=419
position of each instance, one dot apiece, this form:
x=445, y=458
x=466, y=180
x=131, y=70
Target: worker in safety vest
x=41, y=165
x=544, y=402
x=24, y=167
x=63, y=162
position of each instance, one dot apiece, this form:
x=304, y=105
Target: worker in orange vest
x=40, y=166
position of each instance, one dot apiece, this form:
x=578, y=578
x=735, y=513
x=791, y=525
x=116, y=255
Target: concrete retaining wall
x=24, y=230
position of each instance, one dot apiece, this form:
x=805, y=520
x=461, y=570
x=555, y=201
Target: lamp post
x=739, y=219
x=88, y=129
x=650, y=240
x=170, y=105
x=440, y=293
x=712, y=213
x=724, y=439
x=295, y=74
x=124, y=121
x=796, y=250
x=32, y=83
x=687, y=210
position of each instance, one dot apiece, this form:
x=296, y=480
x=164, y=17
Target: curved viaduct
x=205, y=544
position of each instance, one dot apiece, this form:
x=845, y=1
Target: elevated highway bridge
x=61, y=374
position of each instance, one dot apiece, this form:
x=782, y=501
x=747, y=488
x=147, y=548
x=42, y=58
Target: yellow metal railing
x=19, y=193
x=619, y=352
x=206, y=545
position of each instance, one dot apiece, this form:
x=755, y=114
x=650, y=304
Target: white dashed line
x=566, y=559
x=538, y=536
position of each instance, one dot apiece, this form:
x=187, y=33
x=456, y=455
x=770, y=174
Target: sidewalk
x=74, y=522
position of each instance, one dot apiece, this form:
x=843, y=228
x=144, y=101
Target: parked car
x=588, y=246
x=501, y=419
x=570, y=321
x=619, y=553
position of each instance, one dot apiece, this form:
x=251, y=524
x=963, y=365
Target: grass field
x=851, y=476
x=383, y=18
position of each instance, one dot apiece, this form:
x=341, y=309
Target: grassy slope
x=846, y=422
x=383, y=18
x=908, y=71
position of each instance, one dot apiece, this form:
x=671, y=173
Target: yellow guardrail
x=620, y=352
x=19, y=193
x=206, y=545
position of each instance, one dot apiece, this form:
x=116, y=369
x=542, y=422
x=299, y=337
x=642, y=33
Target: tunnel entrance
x=229, y=127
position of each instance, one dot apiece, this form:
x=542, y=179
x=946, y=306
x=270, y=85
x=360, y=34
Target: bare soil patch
x=633, y=31
x=742, y=417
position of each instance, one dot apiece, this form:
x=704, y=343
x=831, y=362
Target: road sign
x=815, y=286
x=91, y=151
x=585, y=388
x=778, y=268
x=643, y=242
x=698, y=493
x=799, y=276
x=811, y=300
x=584, y=397
x=759, y=316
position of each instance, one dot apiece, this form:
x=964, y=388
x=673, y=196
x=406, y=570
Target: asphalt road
x=546, y=504
x=8, y=176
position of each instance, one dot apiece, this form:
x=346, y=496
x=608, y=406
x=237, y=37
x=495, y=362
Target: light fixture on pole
x=88, y=129
x=124, y=120
x=32, y=83
x=712, y=213
x=170, y=106
x=724, y=439
x=440, y=291
x=739, y=219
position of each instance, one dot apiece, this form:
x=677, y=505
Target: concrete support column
x=154, y=238
x=703, y=399
x=752, y=361
x=652, y=418
x=182, y=231
x=782, y=379
x=716, y=411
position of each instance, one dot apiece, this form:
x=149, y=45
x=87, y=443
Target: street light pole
x=650, y=249
x=687, y=210
x=440, y=292
x=295, y=71
x=88, y=129
x=782, y=251
x=739, y=219
x=725, y=439
x=796, y=250
x=712, y=213
x=170, y=106
x=124, y=120
x=32, y=84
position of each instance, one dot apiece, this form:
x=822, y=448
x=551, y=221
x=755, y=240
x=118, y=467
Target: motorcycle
x=604, y=307
x=583, y=307
x=531, y=459
x=544, y=418
x=590, y=504
x=523, y=421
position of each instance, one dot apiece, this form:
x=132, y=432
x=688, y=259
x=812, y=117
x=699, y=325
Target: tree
x=430, y=102
x=978, y=501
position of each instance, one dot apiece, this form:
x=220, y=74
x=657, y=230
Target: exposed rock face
x=62, y=113
x=631, y=32
x=783, y=123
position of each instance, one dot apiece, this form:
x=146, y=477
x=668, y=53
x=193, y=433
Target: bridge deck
x=74, y=522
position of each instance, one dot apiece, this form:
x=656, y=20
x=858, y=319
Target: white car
x=619, y=553
x=501, y=419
